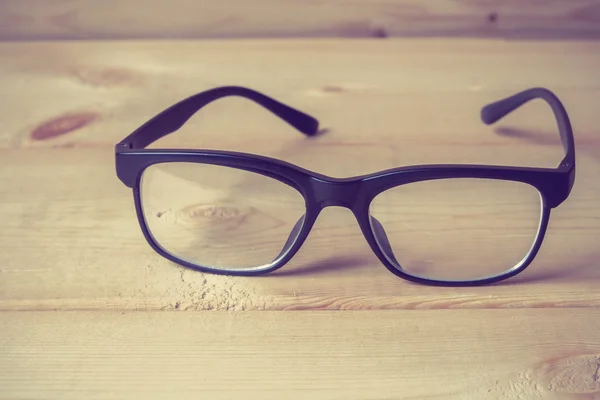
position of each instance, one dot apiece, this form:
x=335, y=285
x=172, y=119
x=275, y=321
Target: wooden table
x=88, y=310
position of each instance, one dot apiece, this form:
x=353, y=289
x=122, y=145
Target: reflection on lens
x=220, y=217
x=457, y=229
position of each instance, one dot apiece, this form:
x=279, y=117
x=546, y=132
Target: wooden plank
x=114, y=19
x=70, y=238
x=450, y=354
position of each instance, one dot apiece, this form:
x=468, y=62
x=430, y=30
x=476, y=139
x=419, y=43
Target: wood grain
x=443, y=354
x=114, y=19
x=70, y=238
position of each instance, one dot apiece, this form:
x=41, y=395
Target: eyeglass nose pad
x=292, y=238
x=383, y=241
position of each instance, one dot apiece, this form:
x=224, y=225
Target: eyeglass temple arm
x=177, y=115
x=495, y=111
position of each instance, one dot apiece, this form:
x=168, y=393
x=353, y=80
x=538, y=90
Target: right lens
x=220, y=217
x=457, y=229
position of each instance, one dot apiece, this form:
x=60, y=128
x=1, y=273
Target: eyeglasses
x=242, y=214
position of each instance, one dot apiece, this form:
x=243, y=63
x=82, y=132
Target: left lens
x=457, y=229
x=220, y=217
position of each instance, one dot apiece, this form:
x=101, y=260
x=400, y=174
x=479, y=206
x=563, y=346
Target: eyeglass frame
x=355, y=193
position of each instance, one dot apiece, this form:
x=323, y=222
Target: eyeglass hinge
x=122, y=146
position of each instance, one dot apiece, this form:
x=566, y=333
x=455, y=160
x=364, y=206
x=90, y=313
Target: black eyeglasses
x=242, y=214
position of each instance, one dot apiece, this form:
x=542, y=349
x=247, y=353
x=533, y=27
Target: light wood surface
x=159, y=19
x=427, y=354
x=70, y=103
x=70, y=239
